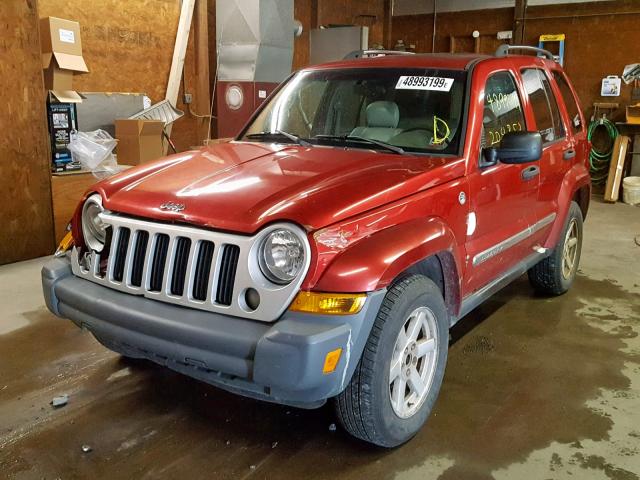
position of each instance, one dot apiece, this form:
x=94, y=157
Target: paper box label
x=67, y=36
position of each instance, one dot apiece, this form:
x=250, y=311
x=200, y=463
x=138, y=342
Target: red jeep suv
x=367, y=206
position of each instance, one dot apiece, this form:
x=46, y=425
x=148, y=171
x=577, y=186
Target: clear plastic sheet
x=94, y=151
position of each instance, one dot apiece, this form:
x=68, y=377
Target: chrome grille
x=228, y=267
x=120, y=253
x=203, y=270
x=142, y=238
x=158, y=261
x=188, y=266
x=180, y=261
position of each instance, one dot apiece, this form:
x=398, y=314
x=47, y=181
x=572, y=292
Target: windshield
x=418, y=110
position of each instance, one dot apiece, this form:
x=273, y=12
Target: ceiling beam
x=519, y=16
x=388, y=19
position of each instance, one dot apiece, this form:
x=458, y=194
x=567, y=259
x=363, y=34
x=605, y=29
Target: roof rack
x=373, y=53
x=504, y=49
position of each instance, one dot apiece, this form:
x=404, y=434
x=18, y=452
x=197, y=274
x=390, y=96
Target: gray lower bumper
x=279, y=362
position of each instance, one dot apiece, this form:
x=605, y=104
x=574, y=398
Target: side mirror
x=515, y=147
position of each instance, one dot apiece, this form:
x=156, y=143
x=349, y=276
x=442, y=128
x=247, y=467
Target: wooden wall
x=312, y=13
x=128, y=46
x=602, y=37
x=418, y=29
x=26, y=228
x=597, y=45
x=303, y=10
x=354, y=12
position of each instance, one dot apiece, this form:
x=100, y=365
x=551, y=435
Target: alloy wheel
x=413, y=363
x=570, y=249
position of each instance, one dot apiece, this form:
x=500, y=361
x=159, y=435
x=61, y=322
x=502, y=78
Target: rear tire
x=386, y=406
x=555, y=274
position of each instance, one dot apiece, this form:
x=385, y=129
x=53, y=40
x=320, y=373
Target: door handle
x=569, y=154
x=530, y=172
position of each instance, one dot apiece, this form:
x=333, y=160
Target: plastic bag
x=94, y=152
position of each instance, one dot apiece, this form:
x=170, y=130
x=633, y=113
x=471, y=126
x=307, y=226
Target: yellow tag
x=552, y=37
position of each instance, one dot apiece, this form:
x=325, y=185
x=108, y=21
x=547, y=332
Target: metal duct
x=255, y=40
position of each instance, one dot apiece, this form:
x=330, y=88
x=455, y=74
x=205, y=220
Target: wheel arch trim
x=380, y=259
x=574, y=183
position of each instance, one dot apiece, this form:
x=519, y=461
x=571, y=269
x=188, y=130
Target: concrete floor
x=535, y=388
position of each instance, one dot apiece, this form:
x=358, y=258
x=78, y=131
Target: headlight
x=93, y=228
x=281, y=256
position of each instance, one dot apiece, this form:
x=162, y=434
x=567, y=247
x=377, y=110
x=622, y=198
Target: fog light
x=331, y=361
x=252, y=298
x=329, y=303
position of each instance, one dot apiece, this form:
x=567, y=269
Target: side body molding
x=375, y=261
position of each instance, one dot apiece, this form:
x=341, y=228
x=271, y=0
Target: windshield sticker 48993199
x=417, y=82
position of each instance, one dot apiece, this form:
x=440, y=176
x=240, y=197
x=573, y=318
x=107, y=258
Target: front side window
x=544, y=105
x=502, y=109
x=418, y=110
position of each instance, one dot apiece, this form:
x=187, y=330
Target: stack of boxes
x=139, y=140
x=61, y=60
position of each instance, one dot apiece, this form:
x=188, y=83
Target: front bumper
x=279, y=362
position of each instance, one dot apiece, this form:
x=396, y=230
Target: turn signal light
x=331, y=361
x=329, y=303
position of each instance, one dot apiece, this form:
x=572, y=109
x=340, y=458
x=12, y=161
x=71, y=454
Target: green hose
x=599, y=160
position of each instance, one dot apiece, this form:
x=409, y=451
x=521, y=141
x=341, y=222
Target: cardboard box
x=62, y=119
x=633, y=114
x=139, y=141
x=61, y=57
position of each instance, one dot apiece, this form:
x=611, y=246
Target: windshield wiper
x=370, y=141
x=280, y=133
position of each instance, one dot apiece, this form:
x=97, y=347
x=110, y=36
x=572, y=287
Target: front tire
x=398, y=378
x=554, y=275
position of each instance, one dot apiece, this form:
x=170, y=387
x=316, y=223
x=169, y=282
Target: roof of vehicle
x=449, y=61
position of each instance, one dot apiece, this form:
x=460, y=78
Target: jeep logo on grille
x=172, y=206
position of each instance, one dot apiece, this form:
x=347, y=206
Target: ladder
x=560, y=37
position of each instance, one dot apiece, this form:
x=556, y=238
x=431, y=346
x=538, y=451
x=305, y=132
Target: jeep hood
x=240, y=186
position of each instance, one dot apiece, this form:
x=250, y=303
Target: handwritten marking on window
x=495, y=135
x=436, y=139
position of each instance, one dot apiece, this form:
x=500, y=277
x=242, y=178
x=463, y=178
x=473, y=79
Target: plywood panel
x=614, y=179
x=26, y=229
x=67, y=191
x=128, y=46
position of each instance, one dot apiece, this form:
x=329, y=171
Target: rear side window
x=569, y=101
x=502, y=109
x=544, y=105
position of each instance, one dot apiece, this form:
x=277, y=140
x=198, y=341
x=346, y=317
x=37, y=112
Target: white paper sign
x=262, y=94
x=417, y=82
x=67, y=36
